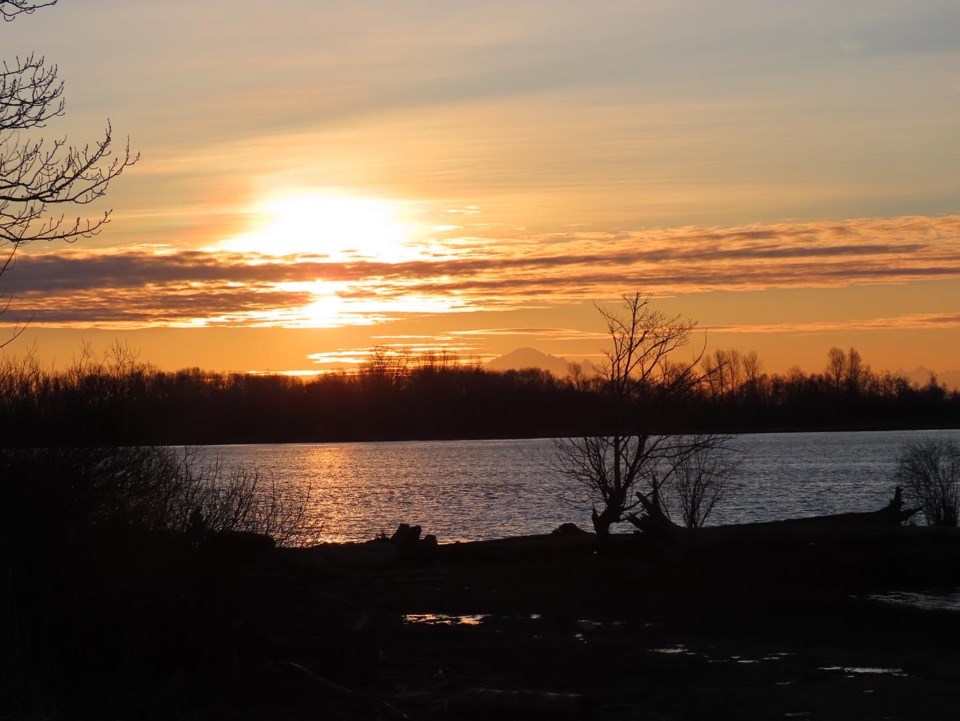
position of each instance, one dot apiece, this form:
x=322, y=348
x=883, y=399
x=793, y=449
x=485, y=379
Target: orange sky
x=324, y=177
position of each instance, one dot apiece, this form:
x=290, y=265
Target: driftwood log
x=653, y=521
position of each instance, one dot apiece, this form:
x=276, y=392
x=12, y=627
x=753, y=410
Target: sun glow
x=304, y=230
x=335, y=227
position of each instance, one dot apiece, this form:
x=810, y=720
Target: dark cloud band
x=149, y=287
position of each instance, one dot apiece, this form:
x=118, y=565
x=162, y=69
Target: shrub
x=97, y=573
x=929, y=471
x=51, y=491
x=699, y=483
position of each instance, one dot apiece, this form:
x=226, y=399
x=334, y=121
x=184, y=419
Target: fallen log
x=829, y=552
x=654, y=522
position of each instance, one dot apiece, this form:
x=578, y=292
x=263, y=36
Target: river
x=469, y=490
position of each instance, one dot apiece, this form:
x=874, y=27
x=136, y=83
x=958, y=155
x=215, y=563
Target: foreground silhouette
x=194, y=624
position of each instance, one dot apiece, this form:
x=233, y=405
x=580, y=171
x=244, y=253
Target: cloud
x=167, y=306
x=159, y=286
x=564, y=334
x=900, y=322
x=415, y=353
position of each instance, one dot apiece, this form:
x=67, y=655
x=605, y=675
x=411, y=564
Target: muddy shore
x=553, y=627
x=531, y=627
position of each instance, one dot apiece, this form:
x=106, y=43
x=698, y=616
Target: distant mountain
x=530, y=358
x=921, y=376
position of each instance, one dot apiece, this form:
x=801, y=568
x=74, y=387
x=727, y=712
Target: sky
x=317, y=178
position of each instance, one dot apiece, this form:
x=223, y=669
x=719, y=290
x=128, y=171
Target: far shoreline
x=536, y=437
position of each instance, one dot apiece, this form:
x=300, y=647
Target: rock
x=406, y=539
x=406, y=535
x=569, y=529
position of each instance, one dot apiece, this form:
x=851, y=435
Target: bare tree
x=630, y=464
x=752, y=366
x=857, y=371
x=753, y=372
x=384, y=366
x=723, y=371
x=41, y=178
x=713, y=372
x=700, y=482
x=929, y=470
x=837, y=367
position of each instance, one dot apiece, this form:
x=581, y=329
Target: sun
x=335, y=227
x=313, y=228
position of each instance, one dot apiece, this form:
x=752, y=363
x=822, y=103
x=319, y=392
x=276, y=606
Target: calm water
x=464, y=490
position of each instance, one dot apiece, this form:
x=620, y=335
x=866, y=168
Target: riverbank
x=644, y=628
x=527, y=627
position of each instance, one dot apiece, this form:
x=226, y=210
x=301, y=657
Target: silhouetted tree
x=40, y=178
x=857, y=372
x=837, y=367
x=630, y=463
x=700, y=482
x=112, y=398
x=755, y=381
x=929, y=470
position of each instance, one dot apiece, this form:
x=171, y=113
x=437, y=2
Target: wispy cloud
x=149, y=286
x=413, y=352
x=900, y=322
x=554, y=334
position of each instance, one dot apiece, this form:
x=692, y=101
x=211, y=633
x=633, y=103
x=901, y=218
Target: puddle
x=681, y=650
x=852, y=671
x=678, y=650
x=926, y=601
x=464, y=619
x=444, y=619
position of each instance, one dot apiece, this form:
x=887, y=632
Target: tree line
x=115, y=399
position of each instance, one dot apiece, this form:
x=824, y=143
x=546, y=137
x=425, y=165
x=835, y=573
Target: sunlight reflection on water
x=443, y=619
x=468, y=490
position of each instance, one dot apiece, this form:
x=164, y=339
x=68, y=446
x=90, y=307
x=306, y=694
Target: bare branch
x=930, y=471
x=43, y=182
x=9, y=9
x=635, y=465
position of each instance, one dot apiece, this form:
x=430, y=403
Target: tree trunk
x=653, y=521
x=603, y=520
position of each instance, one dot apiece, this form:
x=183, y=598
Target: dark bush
x=116, y=562
x=929, y=470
